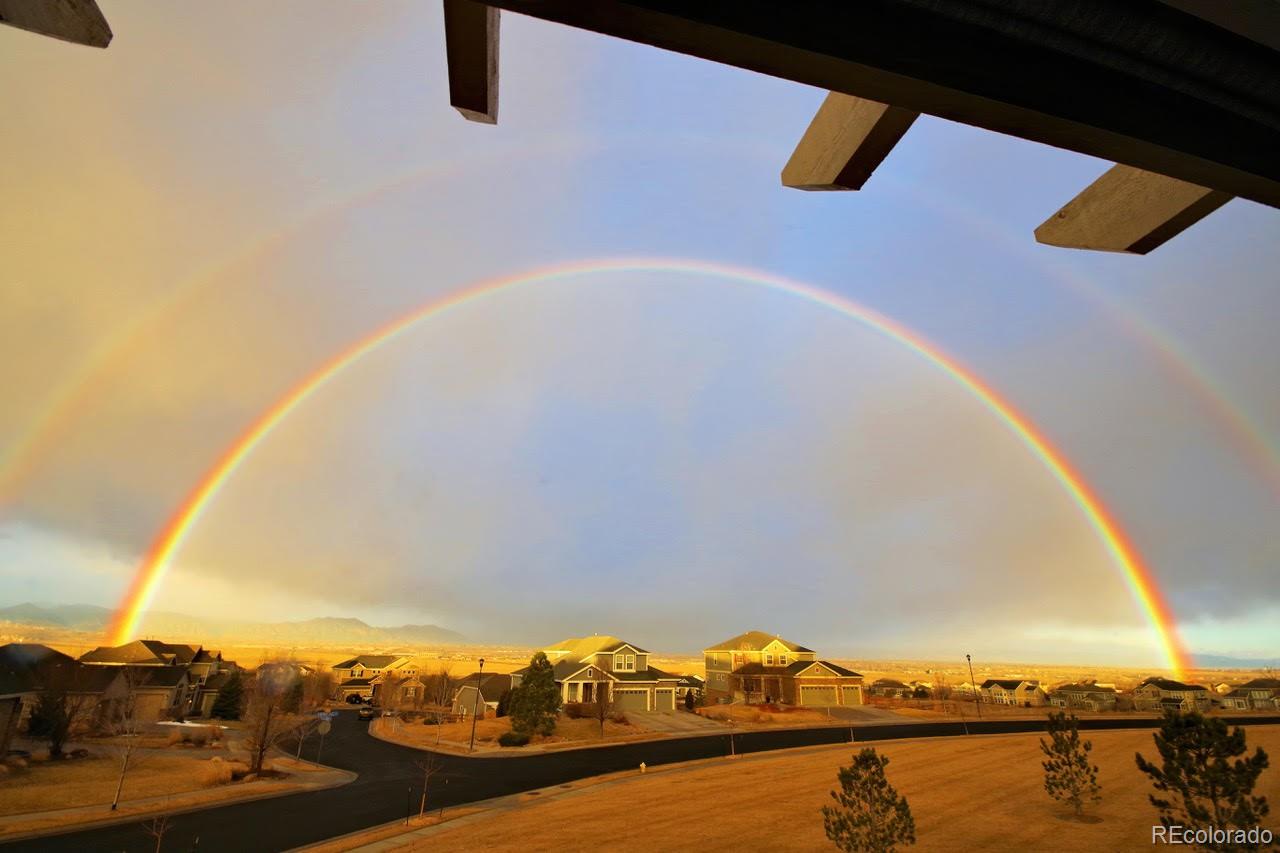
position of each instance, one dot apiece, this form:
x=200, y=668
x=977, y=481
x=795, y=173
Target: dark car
x=354, y=699
x=368, y=712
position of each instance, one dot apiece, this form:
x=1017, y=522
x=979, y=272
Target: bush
x=513, y=739
x=619, y=718
x=216, y=772
x=576, y=710
x=176, y=736
x=239, y=769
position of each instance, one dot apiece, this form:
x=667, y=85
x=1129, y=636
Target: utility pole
x=977, y=694
x=476, y=709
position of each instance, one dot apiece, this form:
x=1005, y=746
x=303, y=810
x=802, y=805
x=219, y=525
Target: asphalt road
x=390, y=782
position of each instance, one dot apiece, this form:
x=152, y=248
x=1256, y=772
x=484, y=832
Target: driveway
x=676, y=722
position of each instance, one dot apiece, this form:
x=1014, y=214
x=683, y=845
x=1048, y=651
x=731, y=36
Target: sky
x=196, y=218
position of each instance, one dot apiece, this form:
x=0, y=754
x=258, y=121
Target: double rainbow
x=1138, y=577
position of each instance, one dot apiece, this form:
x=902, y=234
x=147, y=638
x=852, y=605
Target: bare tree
x=430, y=765
x=941, y=689
x=317, y=687
x=266, y=722
x=604, y=699
x=121, y=721
x=63, y=708
x=156, y=827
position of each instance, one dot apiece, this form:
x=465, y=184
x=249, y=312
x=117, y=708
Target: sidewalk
x=304, y=776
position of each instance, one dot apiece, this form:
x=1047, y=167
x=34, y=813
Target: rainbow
x=1138, y=577
x=67, y=403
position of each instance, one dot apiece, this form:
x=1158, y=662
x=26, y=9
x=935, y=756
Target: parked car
x=354, y=699
x=368, y=712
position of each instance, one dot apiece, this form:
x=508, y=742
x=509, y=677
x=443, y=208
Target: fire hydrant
x=642, y=767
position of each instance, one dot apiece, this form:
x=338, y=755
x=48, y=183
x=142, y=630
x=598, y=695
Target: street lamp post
x=475, y=709
x=977, y=694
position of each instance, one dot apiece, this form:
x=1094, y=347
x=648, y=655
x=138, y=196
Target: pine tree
x=870, y=816
x=230, y=699
x=504, y=704
x=1205, y=788
x=535, y=703
x=1068, y=775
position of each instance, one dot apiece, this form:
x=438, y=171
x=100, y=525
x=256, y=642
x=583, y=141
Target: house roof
x=1006, y=683
x=1262, y=684
x=356, y=682
x=754, y=641
x=205, y=656
x=1083, y=688
x=25, y=666
x=581, y=648
x=155, y=676
x=1170, y=684
x=141, y=652
x=692, y=680
x=793, y=668
x=492, y=684
x=369, y=661
x=888, y=682
x=216, y=681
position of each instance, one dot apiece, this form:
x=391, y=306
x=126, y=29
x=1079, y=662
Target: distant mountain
x=180, y=627
x=1227, y=662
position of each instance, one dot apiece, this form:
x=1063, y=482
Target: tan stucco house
x=585, y=665
x=757, y=667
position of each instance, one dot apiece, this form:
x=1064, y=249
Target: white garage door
x=665, y=699
x=631, y=700
x=817, y=695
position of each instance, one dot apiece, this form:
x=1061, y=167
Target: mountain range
x=181, y=627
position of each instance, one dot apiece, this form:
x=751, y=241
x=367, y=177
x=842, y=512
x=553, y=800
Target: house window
x=631, y=662
x=768, y=659
x=782, y=660
x=591, y=672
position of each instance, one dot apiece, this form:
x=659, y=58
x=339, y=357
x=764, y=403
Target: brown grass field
x=981, y=793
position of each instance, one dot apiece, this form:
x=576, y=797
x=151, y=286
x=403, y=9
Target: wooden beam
x=1129, y=210
x=1140, y=83
x=77, y=21
x=847, y=139
x=471, y=47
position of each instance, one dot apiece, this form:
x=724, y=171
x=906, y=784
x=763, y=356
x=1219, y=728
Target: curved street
x=389, y=782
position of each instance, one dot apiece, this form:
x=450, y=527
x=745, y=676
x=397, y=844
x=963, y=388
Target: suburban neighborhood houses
x=175, y=681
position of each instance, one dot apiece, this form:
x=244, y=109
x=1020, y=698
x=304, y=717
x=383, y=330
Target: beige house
x=491, y=686
x=756, y=667
x=1260, y=694
x=585, y=666
x=1022, y=692
x=1087, y=696
x=360, y=675
x=1165, y=694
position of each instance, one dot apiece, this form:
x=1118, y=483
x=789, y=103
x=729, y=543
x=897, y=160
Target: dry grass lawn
x=92, y=781
x=752, y=717
x=981, y=793
x=573, y=732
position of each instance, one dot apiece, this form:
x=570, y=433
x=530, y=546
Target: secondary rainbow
x=1138, y=577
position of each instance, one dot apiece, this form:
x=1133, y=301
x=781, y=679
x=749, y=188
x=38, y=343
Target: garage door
x=631, y=700
x=665, y=699
x=817, y=695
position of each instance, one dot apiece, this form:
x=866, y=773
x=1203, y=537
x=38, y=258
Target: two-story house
x=183, y=695
x=584, y=666
x=1260, y=694
x=1164, y=694
x=360, y=675
x=1022, y=692
x=759, y=667
x=1088, y=696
